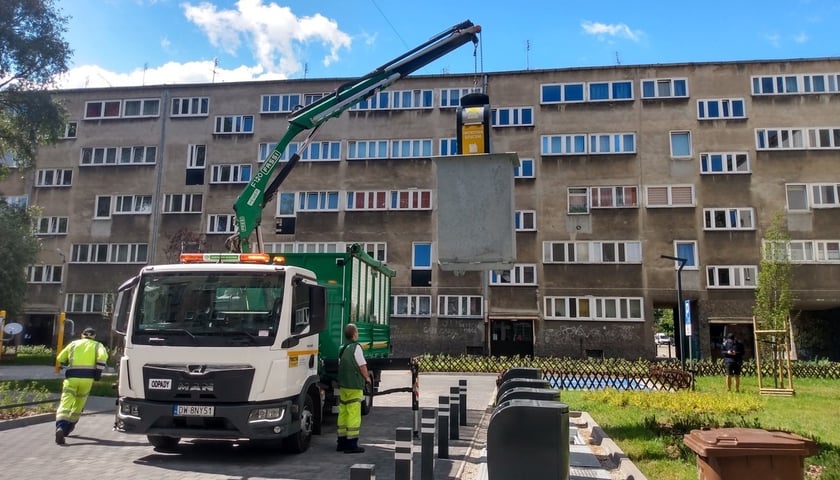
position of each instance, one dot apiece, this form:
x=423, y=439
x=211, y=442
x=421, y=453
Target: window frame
x=672, y=88
x=60, y=177
x=691, y=263
x=525, y=169
x=670, y=196
x=196, y=107
x=679, y=134
x=234, y=173
x=239, y=125
x=517, y=276
x=142, y=107
x=51, y=225
x=737, y=272
x=725, y=106
x=728, y=163
x=709, y=218
x=228, y=220
x=191, y=203
x=525, y=220
x=414, y=305
x=465, y=306
x=573, y=305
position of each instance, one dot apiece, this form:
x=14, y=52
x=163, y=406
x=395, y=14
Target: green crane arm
x=262, y=187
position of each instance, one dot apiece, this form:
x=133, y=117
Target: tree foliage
x=32, y=54
x=773, y=296
x=18, y=249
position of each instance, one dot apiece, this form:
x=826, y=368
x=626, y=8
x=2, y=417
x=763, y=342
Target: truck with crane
x=244, y=344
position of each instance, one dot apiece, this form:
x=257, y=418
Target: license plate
x=193, y=410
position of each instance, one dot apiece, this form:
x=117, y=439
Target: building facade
x=620, y=166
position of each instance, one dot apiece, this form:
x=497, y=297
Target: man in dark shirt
x=733, y=357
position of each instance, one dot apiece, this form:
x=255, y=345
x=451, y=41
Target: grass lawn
x=631, y=420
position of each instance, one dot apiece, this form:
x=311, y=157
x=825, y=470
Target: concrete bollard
x=454, y=410
x=363, y=471
x=443, y=426
x=403, y=454
x=462, y=387
x=427, y=444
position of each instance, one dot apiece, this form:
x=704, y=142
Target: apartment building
x=620, y=166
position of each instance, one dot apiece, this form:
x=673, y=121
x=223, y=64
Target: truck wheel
x=367, y=398
x=299, y=442
x=164, y=443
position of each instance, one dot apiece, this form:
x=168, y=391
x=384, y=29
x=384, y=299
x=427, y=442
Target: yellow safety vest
x=85, y=358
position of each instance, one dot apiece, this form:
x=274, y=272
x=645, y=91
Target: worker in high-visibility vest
x=85, y=360
x=352, y=375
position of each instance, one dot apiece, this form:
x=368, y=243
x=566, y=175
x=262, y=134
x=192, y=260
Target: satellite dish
x=13, y=328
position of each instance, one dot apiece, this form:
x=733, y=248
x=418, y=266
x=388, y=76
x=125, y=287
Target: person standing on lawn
x=733, y=358
x=85, y=360
x=352, y=376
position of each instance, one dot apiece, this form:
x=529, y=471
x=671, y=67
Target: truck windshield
x=208, y=309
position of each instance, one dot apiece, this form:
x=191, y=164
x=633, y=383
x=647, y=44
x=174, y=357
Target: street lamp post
x=680, y=320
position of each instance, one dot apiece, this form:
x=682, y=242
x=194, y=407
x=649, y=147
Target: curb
x=627, y=470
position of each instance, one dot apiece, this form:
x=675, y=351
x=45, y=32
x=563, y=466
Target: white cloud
x=801, y=37
x=93, y=76
x=620, y=30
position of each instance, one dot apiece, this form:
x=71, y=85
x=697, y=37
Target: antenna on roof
x=527, y=54
x=617, y=59
x=215, y=64
x=305, y=69
x=145, y=67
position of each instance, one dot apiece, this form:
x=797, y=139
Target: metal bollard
x=462, y=386
x=403, y=466
x=427, y=444
x=454, y=410
x=363, y=471
x=443, y=426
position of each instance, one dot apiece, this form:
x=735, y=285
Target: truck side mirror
x=122, y=307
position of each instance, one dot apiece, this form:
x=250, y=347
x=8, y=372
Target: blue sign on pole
x=687, y=315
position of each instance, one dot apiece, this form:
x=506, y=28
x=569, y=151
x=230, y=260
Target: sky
x=153, y=42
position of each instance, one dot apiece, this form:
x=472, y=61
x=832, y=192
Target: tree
x=183, y=241
x=32, y=54
x=773, y=296
x=18, y=250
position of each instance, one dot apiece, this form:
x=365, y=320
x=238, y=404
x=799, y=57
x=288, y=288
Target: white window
x=109, y=253
x=724, y=162
x=44, y=273
x=310, y=98
x=285, y=204
x=280, y=103
x=51, y=225
x=99, y=156
x=525, y=169
x=572, y=144
x=322, y=151
x=828, y=251
x=470, y=306
x=780, y=138
x=421, y=256
x=411, y=200
x=60, y=177
x=614, y=197
x=794, y=251
x=406, y=99
x=725, y=108
x=451, y=97
x=824, y=138
x=610, y=91
x=141, y=108
x=234, y=124
x=137, y=155
x=377, y=250
x=731, y=276
x=562, y=93
x=85, y=303
x=578, y=200
x=825, y=195
x=681, y=144
x=520, y=275
x=367, y=149
x=664, y=88
x=102, y=207
x=670, y=196
x=17, y=200
x=525, y=220
x=317, y=201
x=230, y=173
x=196, y=156
x=686, y=249
x=448, y=147
x=70, y=130
x=305, y=247
x=266, y=149
x=89, y=253
x=378, y=101
x=411, y=305
x=729, y=218
x=190, y=107
x=221, y=223
x=594, y=308
x=132, y=204
x=411, y=148
x=133, y=155
x=797, y=197
x=182, y=203
x=796, y=84
x=603, y=143
x=593, y=252
x=368, y=200
x=102, y=109
x=512, y=117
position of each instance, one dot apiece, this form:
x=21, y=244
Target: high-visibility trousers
x=349, y=412
x=74, y=395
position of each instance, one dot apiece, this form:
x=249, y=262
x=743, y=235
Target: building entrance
x=512, y=337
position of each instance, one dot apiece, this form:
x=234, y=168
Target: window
x=794, y=251
x=451, y=97
x=578, y=200
x=525, y=169
x=109, y=253
x=102, y=109
x=234, y=124
x=51, y=225
x=609, y=91
x=230, y=173
x=573, y=144
x=664, y=88
x=561, y=93
x=367, y=149
x=670, y=196
x=405, y=99
x=280, y=103
x=780, y=138
x=824, y=138
x=525, y=220
x=411, y=200
x=317, y=201
x=729, y=219
x=141, y=108
x=797, y=197
x=306, y=247
x=681, y=144
x=378, y=101
x=137, y=155
x=221, y=223
x=724, y=162
x=369, y=200
x=377, y=250
x=266, y=149
x=448, y=146
x=614, y=197
x=512, y=117
x=62, y=177
x=520, y=275
x=85, y=303
x=686, y=249
x=196, y=156
x=795, y=84
x=601, y=143
x=102, y=207
x=594, y=308
x=461, y=306
x=182, y=203
x=99, y=156
x=132, y=204
x=731, y=276
x=44, y=273
x=190, y=107
x=411, y=305
x=310, y=98
x=411, y=148
x=118, y=155
x=421, y=256
x=726, y=108
x=70, y=129
x=828, y=251
x=320, y=151
x=593, y=252
x=285, y=204
x=825, y=195
x=17, y=200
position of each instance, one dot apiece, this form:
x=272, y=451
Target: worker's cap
x=89, y=332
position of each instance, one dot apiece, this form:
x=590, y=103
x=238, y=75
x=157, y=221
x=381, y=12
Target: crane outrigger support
x=262, y=187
